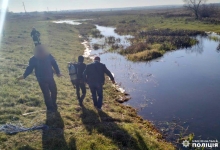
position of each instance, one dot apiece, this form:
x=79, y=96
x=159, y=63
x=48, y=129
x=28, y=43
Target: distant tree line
x=208, y=10
x=200, y=9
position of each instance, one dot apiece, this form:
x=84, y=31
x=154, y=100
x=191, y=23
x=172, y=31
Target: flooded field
x=179, y=92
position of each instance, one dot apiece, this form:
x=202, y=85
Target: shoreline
x=124, y=97
x=119, y=127
x=86, y=44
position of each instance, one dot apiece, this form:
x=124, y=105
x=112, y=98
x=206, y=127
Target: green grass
x=148, y=21
x=118, y=127
x=133, y=23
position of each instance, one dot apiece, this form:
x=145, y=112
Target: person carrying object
x=76, y=75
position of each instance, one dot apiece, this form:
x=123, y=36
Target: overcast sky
x=41, y=5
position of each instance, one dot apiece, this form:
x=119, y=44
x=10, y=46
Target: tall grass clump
x=145, y=55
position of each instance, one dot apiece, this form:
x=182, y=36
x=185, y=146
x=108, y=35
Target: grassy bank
x=118, y=127
x=130, y=22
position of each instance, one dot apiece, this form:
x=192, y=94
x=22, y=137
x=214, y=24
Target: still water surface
x=178, y=92
x=180, y=88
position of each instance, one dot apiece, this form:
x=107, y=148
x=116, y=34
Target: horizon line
x=103, y=8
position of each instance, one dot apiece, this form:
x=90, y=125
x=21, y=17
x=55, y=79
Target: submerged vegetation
x=166, y=38
x=96, y=46
x=215, y=38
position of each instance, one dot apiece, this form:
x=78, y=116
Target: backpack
x=73, y=71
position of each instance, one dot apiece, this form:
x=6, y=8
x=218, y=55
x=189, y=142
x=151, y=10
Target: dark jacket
x=95, y=73
x=43, y=67
x=80, y=69
x=35, y=35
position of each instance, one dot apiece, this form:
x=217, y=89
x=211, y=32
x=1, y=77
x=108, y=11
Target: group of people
x=45, y=67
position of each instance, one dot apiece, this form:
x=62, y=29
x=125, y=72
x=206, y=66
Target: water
x=180, y=90
x=72, y=22
x=108, y=32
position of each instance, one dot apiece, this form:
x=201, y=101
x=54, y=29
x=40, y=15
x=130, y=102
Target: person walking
x=43, y=63
x=94, y=75
x=77, y=78
x=35, y=36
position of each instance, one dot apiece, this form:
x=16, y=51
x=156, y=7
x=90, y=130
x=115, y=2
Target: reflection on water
x=72, y=22
x=180, y=90
x=198, y=48
x=218, y=48
x=110, y=32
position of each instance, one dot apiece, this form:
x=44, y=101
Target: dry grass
x=145, y=55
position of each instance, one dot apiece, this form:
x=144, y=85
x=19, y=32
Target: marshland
x=152, y=58
x=165, y=60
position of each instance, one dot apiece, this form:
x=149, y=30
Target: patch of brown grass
x=145, y=55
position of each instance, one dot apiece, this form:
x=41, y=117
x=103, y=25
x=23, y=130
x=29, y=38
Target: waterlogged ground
x=72, y=22
x=179, y=92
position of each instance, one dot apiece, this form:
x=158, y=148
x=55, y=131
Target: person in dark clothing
x=35, y=36
x=43, y=63
x=79, y=82
x=94, y=75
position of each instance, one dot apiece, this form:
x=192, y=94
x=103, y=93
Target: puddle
x=72, y=22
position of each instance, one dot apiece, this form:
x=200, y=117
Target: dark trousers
x=37, y=43
x=97, y=94
x=80, y=85
x=49, y=90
